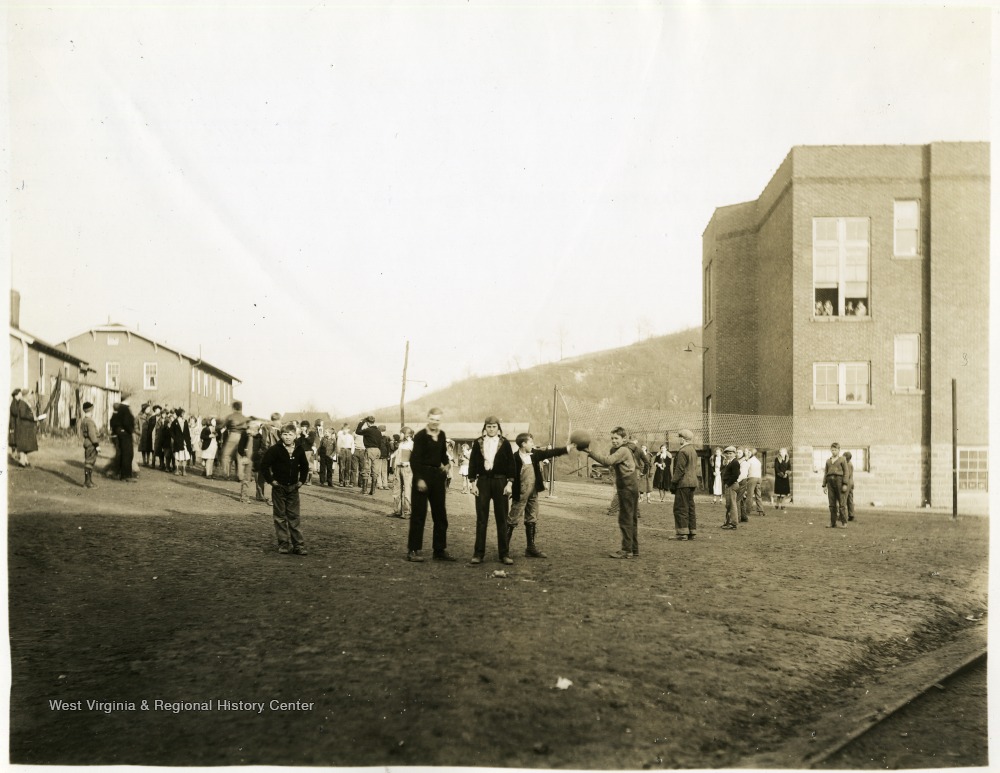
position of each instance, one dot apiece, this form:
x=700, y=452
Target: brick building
x=848, y=296
x=150, y=372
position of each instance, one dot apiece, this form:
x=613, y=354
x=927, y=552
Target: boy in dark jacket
x=528, y=482
x=622, y=462
x=285, y=467
x=91, y=444
x=731, y=486
x=491, y=473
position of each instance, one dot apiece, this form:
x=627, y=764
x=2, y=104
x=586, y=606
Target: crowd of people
x=418, y=467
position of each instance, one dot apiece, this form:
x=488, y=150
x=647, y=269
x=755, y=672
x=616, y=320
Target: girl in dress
x=180, y=441
x=463, y=468
x=716, y=466
x=209, y=445
x=661, y=471
x=782, y=478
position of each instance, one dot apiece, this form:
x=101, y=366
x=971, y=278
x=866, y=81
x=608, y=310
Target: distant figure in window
x=828, y=309
x=818, y=311
x=860, y=310
x=849, y=309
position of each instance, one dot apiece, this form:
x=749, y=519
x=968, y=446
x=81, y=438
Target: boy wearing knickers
x=528, y=482
x=91, y=444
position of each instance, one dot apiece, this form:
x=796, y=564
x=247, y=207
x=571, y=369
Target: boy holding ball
x=528, y=482
x=622, y=462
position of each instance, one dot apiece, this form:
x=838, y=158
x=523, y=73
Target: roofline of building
x=198, y=361
x=50, y=349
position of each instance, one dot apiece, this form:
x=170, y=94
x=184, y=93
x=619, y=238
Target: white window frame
x=981, y=471
x=113, y=381
x=844, y=277
x=901, y=365
x=843, y=369
x=860, y=458
x=905, y=222
x=147, y=384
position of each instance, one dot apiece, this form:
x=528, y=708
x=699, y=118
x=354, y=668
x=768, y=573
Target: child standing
x=91, y=444
x=286, y=468
x=622, y=462
x=528, y=482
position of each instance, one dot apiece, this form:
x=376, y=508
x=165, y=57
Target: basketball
x=581, y=438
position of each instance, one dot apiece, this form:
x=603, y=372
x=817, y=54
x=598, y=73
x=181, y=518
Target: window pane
x=857, y=230
x=856, y=383
x=907, y=214
x=906, y=242
x=826, y=387
x=825, y=229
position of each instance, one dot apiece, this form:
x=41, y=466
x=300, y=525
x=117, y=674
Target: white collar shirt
x=490, y=447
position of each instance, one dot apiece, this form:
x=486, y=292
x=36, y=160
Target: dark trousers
x=326, y=470
x=435, y=496
x=285, y=506
x=732, y=503
x=685, y=521
x=491, y=490
x=628, y=522
x=126, y=451
x=836, y=499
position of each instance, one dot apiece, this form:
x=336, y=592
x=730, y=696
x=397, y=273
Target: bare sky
x=298, y=189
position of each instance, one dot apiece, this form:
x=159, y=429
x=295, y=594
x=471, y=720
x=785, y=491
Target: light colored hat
x=686, y=434
x=730, y=449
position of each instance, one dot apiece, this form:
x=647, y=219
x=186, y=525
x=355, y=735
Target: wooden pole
x=552, y=441
x=954, y=449
x=402, y=391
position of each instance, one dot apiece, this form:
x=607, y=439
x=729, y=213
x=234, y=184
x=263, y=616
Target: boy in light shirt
x=528, y=482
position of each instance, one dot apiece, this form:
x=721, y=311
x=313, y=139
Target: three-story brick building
x=848, y=296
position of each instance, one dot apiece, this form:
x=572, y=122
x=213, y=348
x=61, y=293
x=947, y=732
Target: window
x=973, y=469
x=218, y=390
x=707, y=301
x=112, y=340
x=841, y=383
x=907, y=357
x=112, y=375
x=193, y=380
x=906, y=229
x=41, y=374
x=840, y=267
x=859, y=458
x=149, y=375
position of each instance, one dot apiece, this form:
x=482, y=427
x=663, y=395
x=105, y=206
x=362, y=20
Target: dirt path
x=699, y=654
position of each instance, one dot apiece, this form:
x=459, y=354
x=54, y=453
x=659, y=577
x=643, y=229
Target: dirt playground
x=155, y=624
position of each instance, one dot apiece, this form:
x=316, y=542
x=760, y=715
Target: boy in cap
x=834, y=486
x=91, y=444
x=731, y=486
x=371, y=439
x=682, y=485
x=491, y=475
x=285, y=467
x=528, y=474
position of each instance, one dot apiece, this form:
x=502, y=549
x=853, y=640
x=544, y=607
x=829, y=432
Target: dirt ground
x=698, y=655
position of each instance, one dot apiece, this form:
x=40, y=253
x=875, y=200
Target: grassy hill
x=656, y=373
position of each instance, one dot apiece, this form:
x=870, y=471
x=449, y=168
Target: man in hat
x=731, y=486
x=371, y=438
x=91, y=444
x=682, y=485
x=491, y=475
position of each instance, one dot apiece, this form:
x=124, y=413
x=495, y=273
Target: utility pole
x=402, y=390
x=954, y=449
x=552, y=441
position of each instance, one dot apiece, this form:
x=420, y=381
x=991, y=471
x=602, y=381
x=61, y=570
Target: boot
x=531, y=551
x=510, y=533
x=88, y=478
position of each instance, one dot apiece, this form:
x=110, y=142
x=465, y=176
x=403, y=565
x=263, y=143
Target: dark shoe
x=620, y=554
x=414, y=555
x=681, y=536
x=532, y=552
x=300, y=551
x=850, y=517
x=691, y=536
x=507, y=560
x=475, y=560
x=283, y=550
x=635, y=555
x=443, y=555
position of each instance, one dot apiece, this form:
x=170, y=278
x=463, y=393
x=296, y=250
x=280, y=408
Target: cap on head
x=275, y=416
x=730, y=449
x=87, y=406
x=834, y=445
x=686, y=434
x=15, y=393
x=370, y=419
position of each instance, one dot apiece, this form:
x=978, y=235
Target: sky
x=297, y=190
